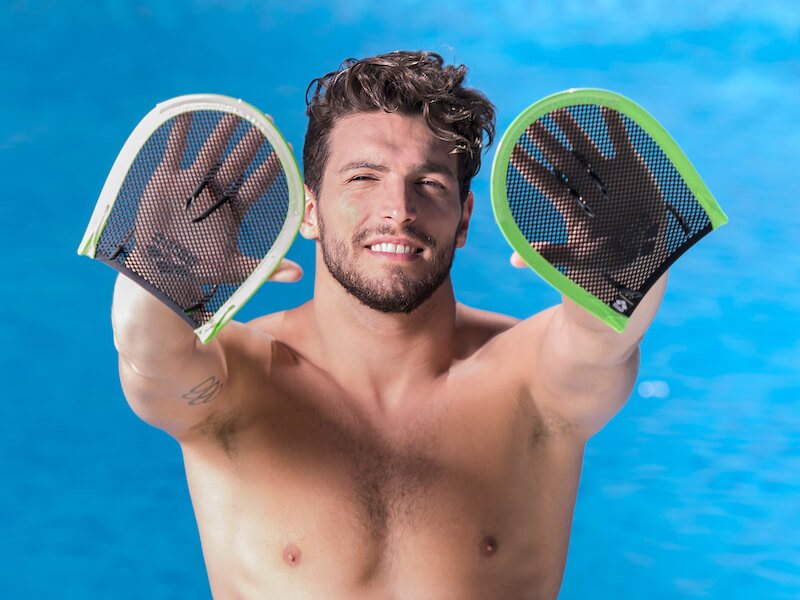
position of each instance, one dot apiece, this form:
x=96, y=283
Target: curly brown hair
x=411, y=83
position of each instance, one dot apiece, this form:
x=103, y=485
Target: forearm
x=594, y=342
x=149, y=336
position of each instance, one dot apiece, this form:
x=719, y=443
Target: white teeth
x=390, y=248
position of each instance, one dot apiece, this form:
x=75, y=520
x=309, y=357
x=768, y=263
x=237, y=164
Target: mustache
x=409, y=231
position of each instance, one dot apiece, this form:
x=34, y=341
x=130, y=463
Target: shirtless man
x=383, y=440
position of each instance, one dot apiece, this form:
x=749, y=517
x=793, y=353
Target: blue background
x=692, y=491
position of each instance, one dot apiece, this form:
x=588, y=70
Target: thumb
x=517, y=261
x=287, y=271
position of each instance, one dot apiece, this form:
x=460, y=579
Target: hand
x=189, y=217
x=612, y=206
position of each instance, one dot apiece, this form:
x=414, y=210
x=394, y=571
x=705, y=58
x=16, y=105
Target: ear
x=309, y=226
x=463, y=226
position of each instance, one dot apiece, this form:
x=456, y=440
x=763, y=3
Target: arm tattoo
x=204, y=392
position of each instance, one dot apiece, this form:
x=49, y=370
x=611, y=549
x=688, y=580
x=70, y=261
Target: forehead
x=386, y=138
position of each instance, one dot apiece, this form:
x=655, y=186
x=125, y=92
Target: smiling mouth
x=390, y=248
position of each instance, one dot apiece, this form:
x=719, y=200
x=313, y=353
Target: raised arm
x=585, y=368
x=186, y=240
x=616, y=220
x=169, y=378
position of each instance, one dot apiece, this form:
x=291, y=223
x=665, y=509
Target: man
x=382, y=440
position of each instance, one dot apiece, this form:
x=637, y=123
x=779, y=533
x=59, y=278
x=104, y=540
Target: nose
x=398, y=204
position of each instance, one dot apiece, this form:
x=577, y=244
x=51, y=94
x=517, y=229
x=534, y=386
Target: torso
x=467, y=492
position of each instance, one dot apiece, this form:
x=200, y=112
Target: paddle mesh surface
x=192, y=262
x=601, y=202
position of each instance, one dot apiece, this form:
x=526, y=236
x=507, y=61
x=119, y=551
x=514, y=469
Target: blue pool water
x=692, y=491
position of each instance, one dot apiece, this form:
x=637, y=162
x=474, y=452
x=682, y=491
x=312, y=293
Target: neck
x=384, y=354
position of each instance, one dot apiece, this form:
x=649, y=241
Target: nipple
x=488, y=545
x=292, y=555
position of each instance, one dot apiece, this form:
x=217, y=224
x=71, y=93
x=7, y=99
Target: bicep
x=178, y=393
x=575, y=378
x=588, y=396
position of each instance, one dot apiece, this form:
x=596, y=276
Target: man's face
x=389, y=217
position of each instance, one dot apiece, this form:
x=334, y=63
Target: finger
x=287, y=271
x=256, y=184
x=176, y=141
x=240, y=158
x=516, y=260
x=215, y=143
x=617, y=132
x=534, y=172
x=544, y=180
x=242, y=266
x=578, y=138
x=552, y=149
x=558, y=255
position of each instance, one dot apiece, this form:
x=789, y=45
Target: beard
x=397, y=292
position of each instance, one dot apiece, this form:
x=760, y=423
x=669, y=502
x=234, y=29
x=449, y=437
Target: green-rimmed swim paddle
x=598, y=199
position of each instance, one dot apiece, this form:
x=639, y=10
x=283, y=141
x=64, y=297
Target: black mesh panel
x=601, y=202
x=191, y=227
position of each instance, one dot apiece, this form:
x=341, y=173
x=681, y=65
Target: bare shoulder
x=272, y=345
x=254, y=352
x=498, y=355
x=496, y=333
x=500, y=344
x=475, y=328
x=289, y=328
x=538, y=359
x=269, y=325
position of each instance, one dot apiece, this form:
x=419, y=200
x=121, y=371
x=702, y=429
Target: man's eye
x=361, y=178
x=432, y=183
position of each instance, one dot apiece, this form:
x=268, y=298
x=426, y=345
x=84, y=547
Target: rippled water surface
x=692, y=491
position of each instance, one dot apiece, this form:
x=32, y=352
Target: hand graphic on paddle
x=613, y=208
x=189, y=218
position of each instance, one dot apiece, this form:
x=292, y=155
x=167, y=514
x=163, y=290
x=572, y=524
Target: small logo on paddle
x=620, y=305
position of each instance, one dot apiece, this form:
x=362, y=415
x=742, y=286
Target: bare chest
x=472, y=482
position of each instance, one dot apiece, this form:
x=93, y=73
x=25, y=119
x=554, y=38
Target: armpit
x=221, y=429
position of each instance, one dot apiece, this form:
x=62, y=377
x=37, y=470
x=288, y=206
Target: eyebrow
x=363, y=164
x=426, y=167
x=433, y=167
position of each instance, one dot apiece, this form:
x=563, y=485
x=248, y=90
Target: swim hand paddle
x=201, y=205
x=597, y=198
